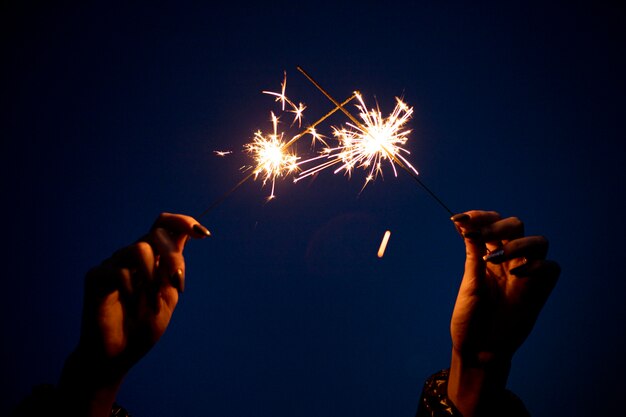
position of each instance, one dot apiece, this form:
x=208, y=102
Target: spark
x=316, y=137
x=271, y=156
x=297, y=110
x=383, y=244
x=281, y=97
x=222, y=153
x=368, y=143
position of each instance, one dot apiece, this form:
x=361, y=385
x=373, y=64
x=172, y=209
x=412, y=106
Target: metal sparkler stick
x=362, y=127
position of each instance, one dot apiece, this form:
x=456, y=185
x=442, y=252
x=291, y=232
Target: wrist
x=477, y=382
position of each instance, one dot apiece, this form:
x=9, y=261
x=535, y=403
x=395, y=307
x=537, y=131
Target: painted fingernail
x=461, y=217
x=177, y=280
x=472, y=235
x=495, y=257
x=201, y=230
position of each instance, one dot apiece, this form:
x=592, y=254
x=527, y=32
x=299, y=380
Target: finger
x=476, y=217
x=470, y=222
x=538, y=279
x=530, y=247
x=497, y=234
x=531, y=268
x=104, y=280
x=171, y=268
x=135, y=261
x=140, y=259
x=503, y=230
x=181, y=224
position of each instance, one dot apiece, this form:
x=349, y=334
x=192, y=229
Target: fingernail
x=461, y=217
x=177, y=280
x=201, y=230
x=472, y=235
x=495, y=257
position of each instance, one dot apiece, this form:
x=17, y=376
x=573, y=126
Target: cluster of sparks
x=366, y=145
x=271, y=155
x=360, y=144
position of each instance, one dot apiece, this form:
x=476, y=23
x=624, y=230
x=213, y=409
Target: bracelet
x=119, y=411
x=434, y=401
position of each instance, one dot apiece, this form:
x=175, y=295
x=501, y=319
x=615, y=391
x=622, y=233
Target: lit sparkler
x=271, y=152
x=370, y=142
x=367, y=144
x=272, y=157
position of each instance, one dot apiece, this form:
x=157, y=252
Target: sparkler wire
x=364, y=129
x=338, y=106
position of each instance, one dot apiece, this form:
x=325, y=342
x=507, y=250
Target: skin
x=497, y=305
x=128, y=303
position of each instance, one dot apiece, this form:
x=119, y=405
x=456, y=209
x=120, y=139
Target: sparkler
x=270, y=151
x=372, y=141
x=272, y=156
x=366, y=143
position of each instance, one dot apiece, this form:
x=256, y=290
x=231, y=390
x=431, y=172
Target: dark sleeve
x=434, y=401
x=45, y=401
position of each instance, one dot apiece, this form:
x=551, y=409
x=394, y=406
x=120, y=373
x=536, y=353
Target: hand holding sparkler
x=507, y=281
x=128, y=303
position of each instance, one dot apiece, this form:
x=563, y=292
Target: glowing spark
x=368, y=143
x=298, y=113
x=383, y=244
x=297, y=110
x=222, y=153
x=316, y=137
x=281, y=96
x=271, y=156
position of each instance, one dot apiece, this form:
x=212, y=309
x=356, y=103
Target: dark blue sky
x=111, y=115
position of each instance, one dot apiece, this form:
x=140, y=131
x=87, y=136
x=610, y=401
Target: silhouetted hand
x=507, y=281
x=128, y=303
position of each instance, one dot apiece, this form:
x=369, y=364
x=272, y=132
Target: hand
x=128, y=303
x=507, y=281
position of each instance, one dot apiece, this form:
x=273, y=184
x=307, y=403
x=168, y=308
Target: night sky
x=111, y=113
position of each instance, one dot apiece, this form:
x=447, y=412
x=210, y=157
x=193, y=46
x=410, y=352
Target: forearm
x=86, y=389
x=476, y=386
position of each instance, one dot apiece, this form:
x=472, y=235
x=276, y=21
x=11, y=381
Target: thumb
x=469, y=225
x=474, y=272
